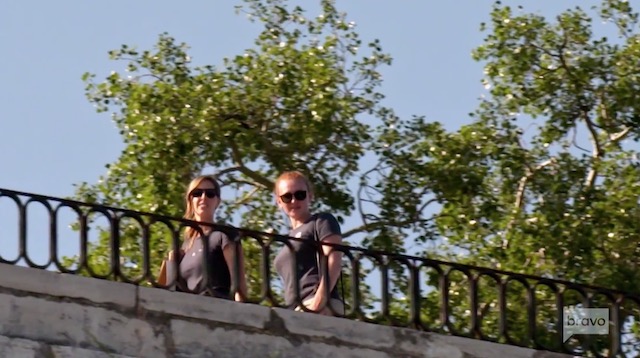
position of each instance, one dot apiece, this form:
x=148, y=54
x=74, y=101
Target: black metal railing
x=378, y=287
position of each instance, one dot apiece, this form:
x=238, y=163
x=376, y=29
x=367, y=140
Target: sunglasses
x=299, y=195
x=210, y=193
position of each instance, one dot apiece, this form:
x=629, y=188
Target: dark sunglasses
x=210, y=193
x=299, y=195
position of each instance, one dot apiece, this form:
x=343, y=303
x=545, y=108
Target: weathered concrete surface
x=24, y=348
x=45, y=314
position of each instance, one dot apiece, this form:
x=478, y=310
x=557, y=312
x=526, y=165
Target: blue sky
x=51, y=137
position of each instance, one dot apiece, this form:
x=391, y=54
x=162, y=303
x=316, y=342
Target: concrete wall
x=45, y=314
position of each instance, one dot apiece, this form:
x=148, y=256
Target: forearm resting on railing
x=235, y=260
x=241, y=295
x=334, y=261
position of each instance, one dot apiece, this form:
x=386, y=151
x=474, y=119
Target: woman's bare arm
x=229, y=253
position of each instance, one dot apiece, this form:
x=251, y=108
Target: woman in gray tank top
x=294, y=194
x=202, y=200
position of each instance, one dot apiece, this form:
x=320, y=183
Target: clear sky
x=51, y=137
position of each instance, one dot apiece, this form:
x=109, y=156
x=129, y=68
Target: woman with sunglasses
x=202, y=200
x=294, y=194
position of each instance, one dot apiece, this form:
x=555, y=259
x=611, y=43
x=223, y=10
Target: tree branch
x=424, y=206
x=597, y=151
x=227, y=171
x=320, y=161
x=523, y=183
x=620, y=135
x=245, y=198
x=575, y=141
x=369, y=227
x=606, y=120
x=363, y=185
x=235, y=154
x=517, y=206
x=239, y=181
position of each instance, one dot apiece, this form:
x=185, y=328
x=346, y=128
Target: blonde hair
x=189, y=213
x=293, y=175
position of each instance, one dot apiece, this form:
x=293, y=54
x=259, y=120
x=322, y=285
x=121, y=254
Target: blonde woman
x=202, y=199
x=294, y=195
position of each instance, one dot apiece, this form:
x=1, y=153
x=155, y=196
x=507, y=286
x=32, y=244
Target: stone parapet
x=47, y=314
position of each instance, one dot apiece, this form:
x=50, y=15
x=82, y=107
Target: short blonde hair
x=292, y=175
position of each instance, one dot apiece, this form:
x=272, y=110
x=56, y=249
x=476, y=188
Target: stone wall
x=46, y=314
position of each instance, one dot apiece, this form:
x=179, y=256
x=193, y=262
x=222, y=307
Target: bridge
x=113, y=305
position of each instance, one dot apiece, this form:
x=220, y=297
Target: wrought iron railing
x=415, y=292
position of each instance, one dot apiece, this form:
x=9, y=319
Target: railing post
x=115, y=246
x=355, y=286
x=531, y=314
x=384, y=287
x=414, y=293
x=444, y=300
x=146, y=252
x=235, y=274
x=84, y=243
x=503, y=326
x=473, y=303
x=617, y=324
x=265, y=268
x=560, y=319
x=53, y=237
x=22, y=233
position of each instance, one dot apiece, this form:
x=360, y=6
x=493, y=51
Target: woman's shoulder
x=324, y=216
x=326, y=224
x=227, y=233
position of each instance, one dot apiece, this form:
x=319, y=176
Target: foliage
x=515, y=189
x=293, y=101
x=518, y=190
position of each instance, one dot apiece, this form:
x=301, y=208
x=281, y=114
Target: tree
x=518, y=188
x=514, y=189
x=294, y=101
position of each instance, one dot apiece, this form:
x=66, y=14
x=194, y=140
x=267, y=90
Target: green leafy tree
x=296, y=100
x=544, y=180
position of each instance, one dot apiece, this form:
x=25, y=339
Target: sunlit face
x=288, y=195
x=204, y=201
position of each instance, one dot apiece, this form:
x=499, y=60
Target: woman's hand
x=311, y=304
